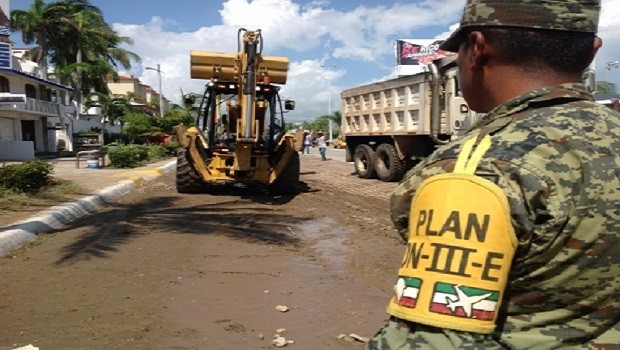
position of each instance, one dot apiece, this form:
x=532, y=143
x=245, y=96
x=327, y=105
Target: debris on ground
x=280, y=341
x=352, y=337
x=282, y=308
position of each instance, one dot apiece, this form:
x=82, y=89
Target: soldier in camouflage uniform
x=555, y=155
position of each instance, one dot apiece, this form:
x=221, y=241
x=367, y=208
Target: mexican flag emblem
x=406, y=291
x=463, y=301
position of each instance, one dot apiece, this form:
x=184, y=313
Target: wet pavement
x=102, y=184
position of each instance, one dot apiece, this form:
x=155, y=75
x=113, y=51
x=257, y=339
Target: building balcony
x=38, y=107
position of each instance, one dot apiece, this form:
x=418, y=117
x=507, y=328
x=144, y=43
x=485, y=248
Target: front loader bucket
x=284, y=179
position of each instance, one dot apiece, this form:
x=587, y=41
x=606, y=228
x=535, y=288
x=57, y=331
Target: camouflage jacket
x=556, y=155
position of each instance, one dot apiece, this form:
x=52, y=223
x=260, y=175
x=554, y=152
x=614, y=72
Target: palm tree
x=75, y=37
x=38, y=25
x=87, y=48
x=336, y=118
x=113, y=107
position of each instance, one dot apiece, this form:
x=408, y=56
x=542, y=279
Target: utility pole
x=161, y=93
x=329, y=100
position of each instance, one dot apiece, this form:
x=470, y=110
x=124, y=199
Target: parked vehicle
x=391, y=125
x=338, y=143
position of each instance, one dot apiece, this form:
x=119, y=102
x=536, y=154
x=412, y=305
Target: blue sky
x=332, y=45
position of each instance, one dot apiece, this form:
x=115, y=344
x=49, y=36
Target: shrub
x=171, y=148
x=129, y=156
x=26, y=177
x=157, y=151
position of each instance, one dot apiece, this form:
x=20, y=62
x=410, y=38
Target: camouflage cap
x=569, y=15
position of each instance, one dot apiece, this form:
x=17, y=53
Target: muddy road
x=159, y=270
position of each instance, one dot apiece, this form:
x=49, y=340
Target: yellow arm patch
x=460, y=248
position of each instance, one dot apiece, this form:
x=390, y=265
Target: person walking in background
x=615, y=105
x=513, y=231
x=322, y=145
x=307, y=142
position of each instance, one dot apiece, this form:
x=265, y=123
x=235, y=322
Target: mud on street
x=160, y=270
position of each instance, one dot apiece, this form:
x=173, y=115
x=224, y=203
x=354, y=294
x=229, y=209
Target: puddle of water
x=327, y=240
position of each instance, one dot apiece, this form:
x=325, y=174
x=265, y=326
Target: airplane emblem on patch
x=464, y=301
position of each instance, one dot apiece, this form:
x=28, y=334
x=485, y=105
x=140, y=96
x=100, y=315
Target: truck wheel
x=188, y=180
x=288, y=181
x=389, y=166
x=364, y=161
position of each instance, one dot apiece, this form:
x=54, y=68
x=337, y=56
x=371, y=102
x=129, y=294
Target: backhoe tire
x=388, y=165
x=288, y=181
x=364, y=161
x=188, y=180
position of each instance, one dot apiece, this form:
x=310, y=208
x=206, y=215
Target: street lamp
x=609, y=65
x=161, y=93
x=329, y=101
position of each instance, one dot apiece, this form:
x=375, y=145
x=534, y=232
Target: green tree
x=191, y=105
x=336, y=118
x=173, y=118
x=74, y=36
x=89, y=48
x=139, y=124
x=321, y=123
x=318, y=124
x=113, y=107
x=605, y=87
x=38, y=24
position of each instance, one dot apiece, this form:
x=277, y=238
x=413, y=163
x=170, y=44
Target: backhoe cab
x=239, y=135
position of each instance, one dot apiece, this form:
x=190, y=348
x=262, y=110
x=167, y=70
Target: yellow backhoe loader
x=239, y=134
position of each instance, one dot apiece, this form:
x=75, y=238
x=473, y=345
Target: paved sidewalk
x=101, y=185
x=93, y=180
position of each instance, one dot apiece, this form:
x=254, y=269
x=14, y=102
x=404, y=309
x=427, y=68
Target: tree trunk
x=43, y=56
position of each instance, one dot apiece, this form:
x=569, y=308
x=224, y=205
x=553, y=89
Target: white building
x=35, y=113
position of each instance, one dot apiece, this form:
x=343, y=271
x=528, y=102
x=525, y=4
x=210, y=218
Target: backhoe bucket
x=224, y=67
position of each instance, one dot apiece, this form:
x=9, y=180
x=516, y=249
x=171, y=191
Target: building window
x=31, y=91
x=4, y=84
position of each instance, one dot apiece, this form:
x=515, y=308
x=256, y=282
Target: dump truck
x=391, y=125
x=239, y=134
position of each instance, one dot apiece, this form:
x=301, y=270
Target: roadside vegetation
x=30, y=184
x=133, y=155
x=73, y=36
x=86, y=53
x=321, y=123
x=146, y=139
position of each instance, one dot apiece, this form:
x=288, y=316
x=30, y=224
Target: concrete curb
x=15, y=236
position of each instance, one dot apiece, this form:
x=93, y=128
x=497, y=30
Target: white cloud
x=314, y=34
x=609, y=31
x=363, y=34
